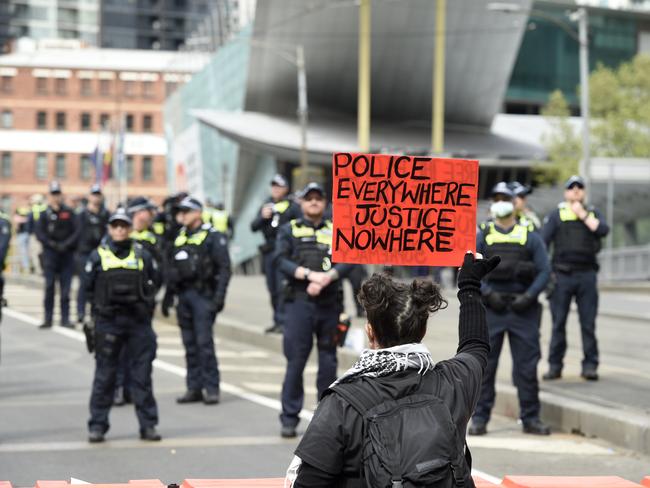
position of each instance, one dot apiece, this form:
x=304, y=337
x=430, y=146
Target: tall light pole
x=438, y=95
x=363, y=94
x=582, y=38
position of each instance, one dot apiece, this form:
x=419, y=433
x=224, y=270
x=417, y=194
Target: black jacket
x=331, y=447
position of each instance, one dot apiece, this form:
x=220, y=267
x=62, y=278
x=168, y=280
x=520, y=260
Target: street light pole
x=585, y=162
x=363, y=94
x=438, y=98
x=302, y=112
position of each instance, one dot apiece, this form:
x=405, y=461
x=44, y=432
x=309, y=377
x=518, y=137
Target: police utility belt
x=192, y=266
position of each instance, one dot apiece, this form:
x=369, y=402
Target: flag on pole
x=107, y=164
x=97, y=158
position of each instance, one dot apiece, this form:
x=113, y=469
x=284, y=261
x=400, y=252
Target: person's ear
x=371, y=335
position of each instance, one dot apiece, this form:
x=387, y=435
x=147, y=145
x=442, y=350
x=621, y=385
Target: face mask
x=501, y=209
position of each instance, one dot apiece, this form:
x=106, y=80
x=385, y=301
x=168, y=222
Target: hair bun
x=376, y=293
x=426, y=295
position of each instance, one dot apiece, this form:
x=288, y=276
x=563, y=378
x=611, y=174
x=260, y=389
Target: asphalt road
x=45, y=379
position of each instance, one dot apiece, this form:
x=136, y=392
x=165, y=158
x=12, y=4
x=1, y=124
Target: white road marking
x=221, y=354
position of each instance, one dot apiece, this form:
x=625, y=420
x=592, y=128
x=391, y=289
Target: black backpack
x=408, y=442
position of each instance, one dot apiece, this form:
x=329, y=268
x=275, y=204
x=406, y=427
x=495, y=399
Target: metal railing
x=625, y=264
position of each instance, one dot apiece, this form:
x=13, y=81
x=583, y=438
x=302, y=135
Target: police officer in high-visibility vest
x=574, y=231
x=510, y=293
x=199, y=275
x=121, y=280
x=525, y=215
x=5, y=239
x=219, y=218
x=140, y=210
x=313, y=300
x=276, y=211
x=92, y=224
x=57, y=229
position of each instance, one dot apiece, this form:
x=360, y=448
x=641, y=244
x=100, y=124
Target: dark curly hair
x=398, y=312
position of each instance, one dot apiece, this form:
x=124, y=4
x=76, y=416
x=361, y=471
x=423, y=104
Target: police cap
x=189, y=203
x=140, y=203
x=501, y=188
x=574, y=180
x=313, y=186
x=279, y=180
x=96, y=189
x=120, y=215
x=520, y=190
x=55, y=187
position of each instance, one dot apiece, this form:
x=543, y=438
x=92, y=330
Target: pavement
x=45, y=379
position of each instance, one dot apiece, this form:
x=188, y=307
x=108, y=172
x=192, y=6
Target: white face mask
x=499, y=210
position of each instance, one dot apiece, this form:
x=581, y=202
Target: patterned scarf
x=375, y=363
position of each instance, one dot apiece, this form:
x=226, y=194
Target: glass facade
x=548, y=59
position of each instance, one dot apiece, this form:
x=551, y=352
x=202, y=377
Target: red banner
x=403, y=210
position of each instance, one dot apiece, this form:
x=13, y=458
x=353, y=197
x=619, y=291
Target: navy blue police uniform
x=5, y=239
x=510, y=293
x=58, y=232
x=574, y=248
x=92, y=228
x=199, y=275
x=121, y=281
x=284, y=211
x=301, y=243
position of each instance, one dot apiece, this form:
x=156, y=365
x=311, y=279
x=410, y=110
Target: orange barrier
x=130, y=484
x=481, y=483
x=259, y=483
x=644, y=482
x=567, y=482
x=5, y=484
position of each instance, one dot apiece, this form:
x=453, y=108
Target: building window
x=147, y=89
x=5, y=203
x=41, y=86
x=147, y=168
x=5, y=171
x=104, y=121
x=129, y=168
x=86, y=87
x=61, y=86
x=7, y=85
x=85, y=121
x=7, y=119
x=59, y=168
x=85, y=170
x=104, y=88
x=60, y=121
x=129, y=122
x=41, y=166
x=129, y=88
x=147, y=123
x=41, y=120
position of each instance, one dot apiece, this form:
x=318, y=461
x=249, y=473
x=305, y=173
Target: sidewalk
x=616, y=408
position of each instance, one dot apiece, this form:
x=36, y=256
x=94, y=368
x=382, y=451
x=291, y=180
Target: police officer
x=5, y=238
x=276, y=211
x=92, y=224
x=121, y=280
x=525, y=216
x=219, y=218
x=57, y=230
x=21, y=222
x=313, y=300
x=574, y=230
x=510, y=293
x=199, y=275
x=166, y=226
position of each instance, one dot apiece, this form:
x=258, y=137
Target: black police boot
x=211, y=397
x=95, y=436
x=589, y=374
x=67, y=325
x=190, y=396
x=150, y=434
x=536, y=427
x=275, y=329
x=118, y=398
x=288, y=431
x=552, y=374
x=478, y=427
x=45, y=325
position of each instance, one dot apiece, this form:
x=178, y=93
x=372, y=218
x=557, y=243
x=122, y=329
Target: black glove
x=167, y=303
x=217, y=305
x=522, y=303
x=89, y=332
x=474, y=270
x=495, y=301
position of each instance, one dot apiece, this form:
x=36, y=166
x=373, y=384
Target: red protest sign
x=403, y=210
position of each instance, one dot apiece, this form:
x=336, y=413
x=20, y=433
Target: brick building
x=60, y=101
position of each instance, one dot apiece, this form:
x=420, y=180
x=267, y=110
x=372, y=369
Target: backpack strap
x=356, y=395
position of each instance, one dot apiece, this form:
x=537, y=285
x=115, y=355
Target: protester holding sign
x=313, y=300
x=423, y=406
x=510, y=293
